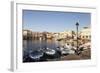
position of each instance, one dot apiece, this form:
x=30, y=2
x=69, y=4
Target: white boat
x=68, y=46
x=71, y=52
x=66, y=50
x=49, y=51
x=85, y=46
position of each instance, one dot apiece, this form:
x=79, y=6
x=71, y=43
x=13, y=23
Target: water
x=37, y=44
x=34, y=45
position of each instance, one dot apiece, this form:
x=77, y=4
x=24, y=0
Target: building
x=27, y=34
x=65, y=35
x=85, y=33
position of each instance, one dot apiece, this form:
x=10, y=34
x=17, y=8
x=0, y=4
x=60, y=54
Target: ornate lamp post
x=77, y=24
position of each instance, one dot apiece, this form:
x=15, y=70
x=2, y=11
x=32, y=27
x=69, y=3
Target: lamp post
x=77, y=24
x=72, y=38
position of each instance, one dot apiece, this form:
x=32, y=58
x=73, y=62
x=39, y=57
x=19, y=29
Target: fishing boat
x=65, y=50
x=49, y=51
x=36, y=55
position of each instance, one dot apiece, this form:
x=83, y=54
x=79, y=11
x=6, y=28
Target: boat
x=51, y=54
x=65, y=50
x=36, y=55
x=85, y=46
x=49, y=51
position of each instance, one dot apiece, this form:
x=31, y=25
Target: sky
x=54, y=21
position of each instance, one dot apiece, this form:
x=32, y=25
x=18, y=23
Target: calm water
x=36, y=44
x=33, y=45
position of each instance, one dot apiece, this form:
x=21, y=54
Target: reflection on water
x=37, y=44
x=32, y=51
x=34, y=45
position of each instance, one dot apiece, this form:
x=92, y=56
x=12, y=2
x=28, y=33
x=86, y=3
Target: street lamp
x=77, y=24
x=72, y=38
